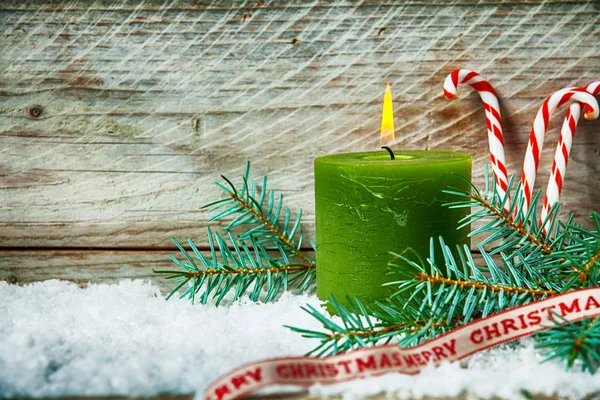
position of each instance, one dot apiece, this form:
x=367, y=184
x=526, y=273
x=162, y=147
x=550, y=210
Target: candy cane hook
x=561, y=156
x=493, y=122
x=538, y=132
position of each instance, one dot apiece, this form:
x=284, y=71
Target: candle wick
x=392, y=156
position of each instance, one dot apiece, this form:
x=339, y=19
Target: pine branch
x=507, y=232
x=587, y=268
x=264, y=259
x=356, y=330
x=263, y=214
x=572, y=342
x=278, y=233
x=238, y=269
x=580, y=255
x=464, y=289
x=361, y=326
x=512, y=224
x=480, y=286
x=583, y=261
x=515, y=235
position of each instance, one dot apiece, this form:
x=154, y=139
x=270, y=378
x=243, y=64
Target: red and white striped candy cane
x=492, y=118
x=561, y=156
x=538, y=132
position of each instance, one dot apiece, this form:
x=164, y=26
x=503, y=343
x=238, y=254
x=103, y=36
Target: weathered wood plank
x=88, y=266
x=144, y=104
x=82, y=266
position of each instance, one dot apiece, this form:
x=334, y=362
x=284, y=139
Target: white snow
x=503, y=373
x=57, y=339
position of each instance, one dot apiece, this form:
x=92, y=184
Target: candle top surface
x=403, y=157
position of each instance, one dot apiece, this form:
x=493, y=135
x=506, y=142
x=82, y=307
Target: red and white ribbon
x=452, y=346
x=561, y=156
x=493, y=121
x=538, y=133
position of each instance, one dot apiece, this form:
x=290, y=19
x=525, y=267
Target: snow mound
x=57, y=339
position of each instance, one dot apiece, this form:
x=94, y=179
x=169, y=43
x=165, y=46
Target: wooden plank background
x=116, y=116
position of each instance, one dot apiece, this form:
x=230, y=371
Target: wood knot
x=11, y=279
x=245, y=17
x=195, y=128
x=295, y=41
x=35, y=110
x=380, y=31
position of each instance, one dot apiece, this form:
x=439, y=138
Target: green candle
x=368, y=205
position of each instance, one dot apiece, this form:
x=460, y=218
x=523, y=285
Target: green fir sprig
x=461, y=288
x=572, y=343
x=507, y=232
x=267, y=220
x=263, y=259
x=363, y=325
x=580, y=256
x=234, y=265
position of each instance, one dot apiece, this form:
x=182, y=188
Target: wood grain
x=84, y=266
x=89, y=266
x=115, y=117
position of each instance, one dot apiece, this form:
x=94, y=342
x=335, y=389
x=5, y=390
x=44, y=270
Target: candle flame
x=387, y=117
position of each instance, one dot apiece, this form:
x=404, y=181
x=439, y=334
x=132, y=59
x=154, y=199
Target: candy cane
x=538, y=132
x=561, y=156
x=492, y=118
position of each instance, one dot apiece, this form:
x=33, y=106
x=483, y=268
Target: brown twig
x=307, y=263
x=586, y=269
x=367, y=333
x=250, y=271
x=511, y=222
x=580, y=341
x=440, y=280
x=416, y=326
